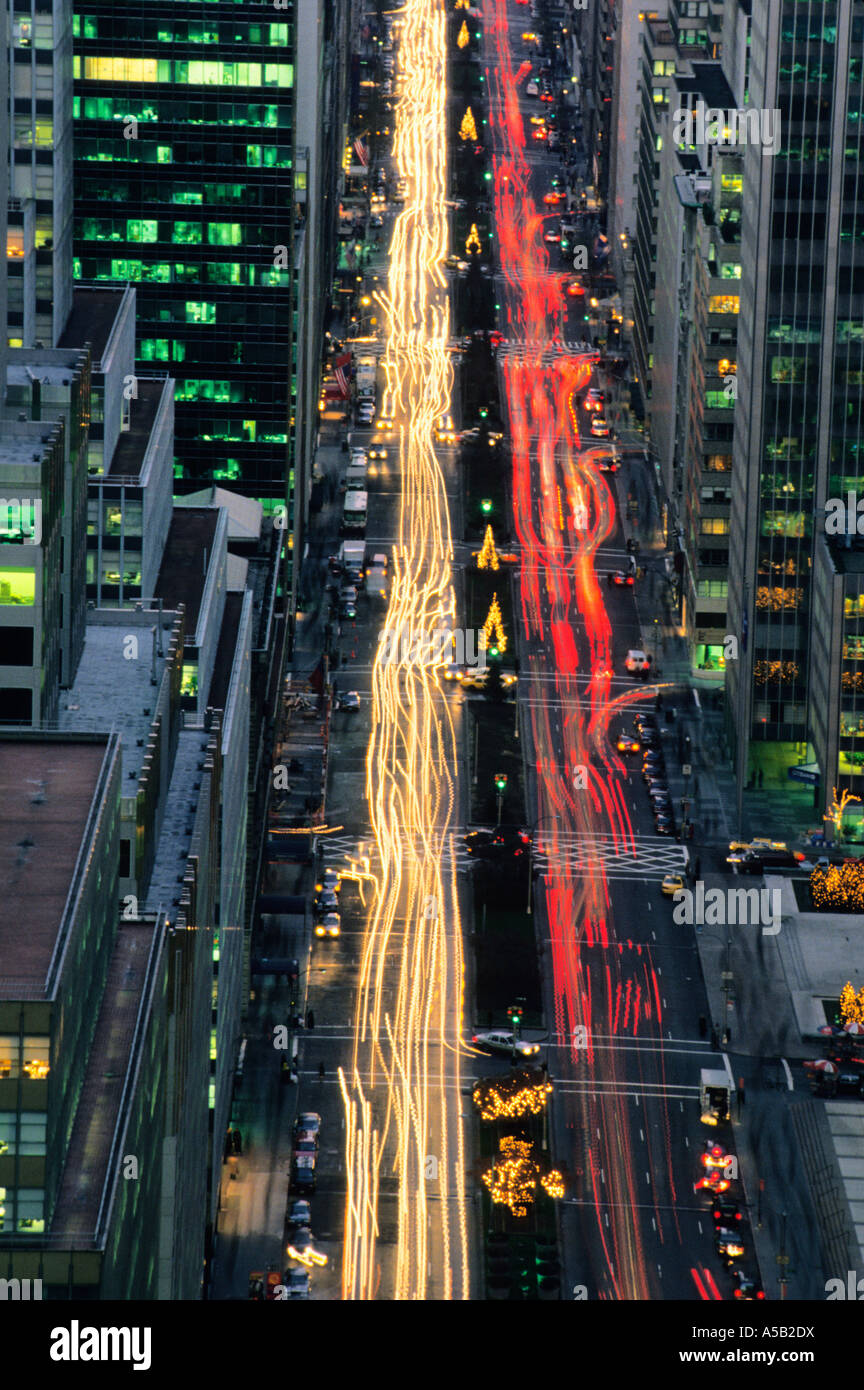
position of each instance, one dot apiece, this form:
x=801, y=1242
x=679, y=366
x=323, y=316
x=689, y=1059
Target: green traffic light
x=486, y=506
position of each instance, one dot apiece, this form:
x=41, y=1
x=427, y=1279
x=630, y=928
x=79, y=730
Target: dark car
x=307, y=1122
x=490, y=844
x=303, y=1174
x=726, y=1212
x=664, y=825
x=617, y=579
x=745, y=1288
x=299, y=1213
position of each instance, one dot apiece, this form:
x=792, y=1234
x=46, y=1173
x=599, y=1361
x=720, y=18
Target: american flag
x=340, y=371
x=362, y=151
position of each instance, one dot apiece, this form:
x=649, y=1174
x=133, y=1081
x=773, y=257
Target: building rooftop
x=175, y=836
x=112, y=691
x=185, y=558
x=708, y=82
x=245, y=514
x=92, y=319
x=86, y=1173
x=46, y=794
x=225, y=651
x=24, y=444
x=132, y=444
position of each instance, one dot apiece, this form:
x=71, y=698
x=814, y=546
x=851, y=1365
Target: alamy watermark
x=462, y=646
x=844, y=516
x=732, y=129
x=721, y=907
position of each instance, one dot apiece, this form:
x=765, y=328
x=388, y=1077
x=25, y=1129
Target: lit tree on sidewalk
x=488, y=557
x=468, y=128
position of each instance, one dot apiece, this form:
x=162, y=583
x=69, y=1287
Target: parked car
x=299, y=1214
x=297, y=1284
x=308, y=1122
x=506, y=1043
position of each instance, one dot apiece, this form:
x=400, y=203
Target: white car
x=329, y=882
x=532, y=89
x=637, y=661
x=329, y=925
x=505, y=1042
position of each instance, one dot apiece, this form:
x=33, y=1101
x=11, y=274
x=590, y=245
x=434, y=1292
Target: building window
x=224, y=234
x=723, y=304
x=714, y=526
x=198, y=311
x=18, y=586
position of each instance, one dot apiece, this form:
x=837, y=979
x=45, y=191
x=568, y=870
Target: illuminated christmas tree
x=472, y=245
x=494, y=627
x=464, y=37
x=488, y=557
x=468, y=130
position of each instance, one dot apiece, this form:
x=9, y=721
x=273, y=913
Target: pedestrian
x=322, y=1071
x=310, y=1020
x=740, y=1094
x=703, y=1026
x=759, y=780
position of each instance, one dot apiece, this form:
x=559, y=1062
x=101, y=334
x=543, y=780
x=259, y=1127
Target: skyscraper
x=184, y=164
x=798, y=429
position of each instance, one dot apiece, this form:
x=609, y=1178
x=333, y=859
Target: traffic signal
x=501, y=782
x=486, y=506
x=515, y=1012
x=483, y=412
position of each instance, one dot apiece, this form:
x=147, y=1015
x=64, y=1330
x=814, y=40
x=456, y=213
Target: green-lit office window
x=186, y=195
x=225, y=192
x=18, y=586
x=278, y=75
x=163, y=154
x=253, y=156
x=154, y=349
x=138, y=230
x=76, y=268
x=159, y=274
x=125, y=270
x=224, y=234
x=186, y=233
x=230, y=473
x=189, y=682
x=199, y=311
x=226, y=273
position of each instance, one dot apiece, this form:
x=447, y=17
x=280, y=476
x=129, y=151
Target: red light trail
x=563, y=511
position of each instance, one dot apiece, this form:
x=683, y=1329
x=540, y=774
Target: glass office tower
x=184, y=185
x=798, y=428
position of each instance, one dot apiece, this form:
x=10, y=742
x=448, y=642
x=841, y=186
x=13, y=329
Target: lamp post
x=532, y=832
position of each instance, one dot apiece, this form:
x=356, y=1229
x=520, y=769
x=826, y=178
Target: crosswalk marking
x=651, y=857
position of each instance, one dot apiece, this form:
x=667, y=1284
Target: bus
x=354, y=514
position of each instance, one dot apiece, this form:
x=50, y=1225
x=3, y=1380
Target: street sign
x=686, y=769
x=803, y=774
